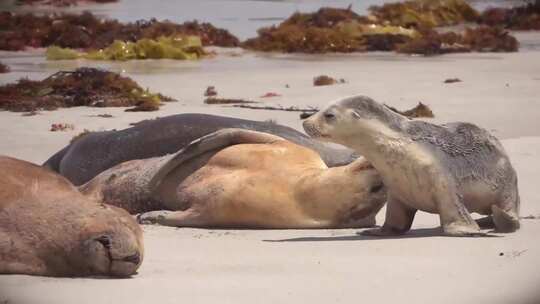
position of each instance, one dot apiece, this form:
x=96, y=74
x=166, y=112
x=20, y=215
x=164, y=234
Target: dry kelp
x=181, y=47
x=425, y=13
x=526, y=17
x=420, y=110
x=86, y=31
x=60, y=3
x=480, y=39
x=4, y=68
x=82, y=87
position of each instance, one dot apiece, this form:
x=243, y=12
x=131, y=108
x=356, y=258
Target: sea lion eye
x=329, y=116
x=105, y=240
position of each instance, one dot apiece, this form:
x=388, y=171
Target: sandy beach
x=499, y=92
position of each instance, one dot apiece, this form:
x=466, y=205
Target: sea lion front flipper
x=213, y=141
x=399, y=218
x=187, y=218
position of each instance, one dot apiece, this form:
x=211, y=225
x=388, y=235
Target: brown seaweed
x=215, y=100
x=210, y=91
x=526, y=17
x=425, y=13
x=4, y=68
x=323, y=80
x=272, y=108
x=480, y=39
x=420, y=110
x=60, y=3
x=452, y=80
x=82, y=87
x=86, y=31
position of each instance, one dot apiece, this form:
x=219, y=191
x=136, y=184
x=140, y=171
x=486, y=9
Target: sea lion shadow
x=415, y=233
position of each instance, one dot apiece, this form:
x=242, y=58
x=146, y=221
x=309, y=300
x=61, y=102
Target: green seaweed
x=58, y=53
x=180, y=48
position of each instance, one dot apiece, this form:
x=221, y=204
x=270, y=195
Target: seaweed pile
x=525, y=17
x=425, y=13
x=82, y=87
x=3, y=68
x=480, y=39
x=327, y=30
x=60, y=3
x=86, y=31
x=408, y=27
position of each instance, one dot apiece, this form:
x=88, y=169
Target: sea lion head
x=351, y=117
x=111, y=243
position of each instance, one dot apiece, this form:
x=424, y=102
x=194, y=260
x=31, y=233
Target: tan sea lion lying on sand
x=450, y=169
x=243, y=178
x=49, y=228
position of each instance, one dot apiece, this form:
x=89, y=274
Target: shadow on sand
x=416, y=233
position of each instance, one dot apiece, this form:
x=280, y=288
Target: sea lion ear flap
x=213, y=141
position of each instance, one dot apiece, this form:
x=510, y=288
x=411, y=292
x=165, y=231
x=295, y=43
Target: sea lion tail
x=505, y=221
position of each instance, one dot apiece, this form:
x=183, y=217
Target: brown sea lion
x=47, y=227
x=451, y=169
x=242, y=178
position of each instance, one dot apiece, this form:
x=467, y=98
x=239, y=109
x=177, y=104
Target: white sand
x=499, y=92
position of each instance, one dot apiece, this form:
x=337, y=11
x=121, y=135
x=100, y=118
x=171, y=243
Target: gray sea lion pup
x=240, y=178
x=47, y=227
x=98, y=151
x=450, y=169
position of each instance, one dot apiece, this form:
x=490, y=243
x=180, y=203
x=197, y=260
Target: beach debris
x=513, y=253
x=81, y=87
x=60, y=3
x=531, y=217
x=31, y=113
x=88, y=32
x=452, y=80
x=210, y=91
x=420, y=110
x=279, y=108
x=525, y=17
x=270, y=94
x=214, y=100
x=4, y=68
x=103, y=115
x=80, y=135
x=323, y=80
x=180, y=48
x=55, y=127
x=425, y=13
x=287, y=86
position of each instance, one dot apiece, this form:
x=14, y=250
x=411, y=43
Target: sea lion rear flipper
x=505, y=221
x=213, y=141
